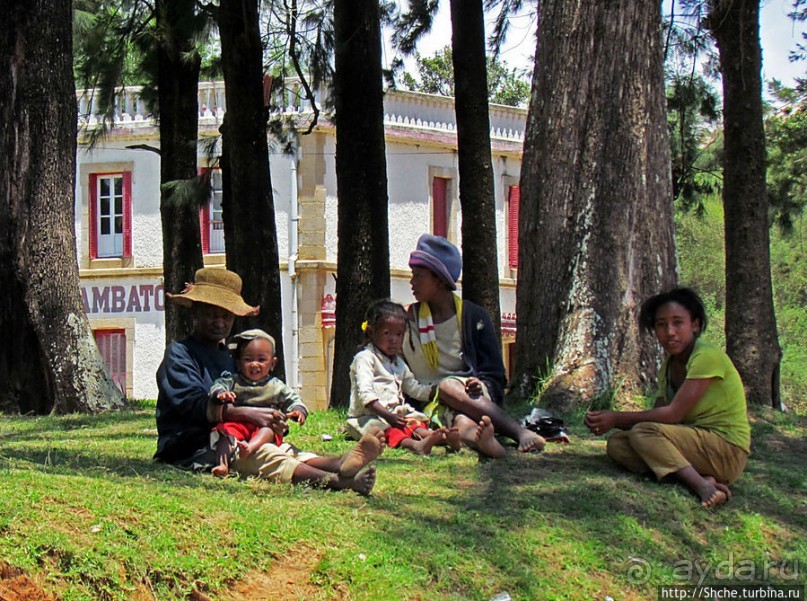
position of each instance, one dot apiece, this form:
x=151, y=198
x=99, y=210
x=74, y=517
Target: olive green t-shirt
x=722, y=407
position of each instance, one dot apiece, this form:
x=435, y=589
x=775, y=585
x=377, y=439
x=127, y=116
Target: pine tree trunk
x=363, y=272
x=248, y=207
x=751, y=338
x=596, y=228
x=48, y=358
x=480, y=274
x=177, y=82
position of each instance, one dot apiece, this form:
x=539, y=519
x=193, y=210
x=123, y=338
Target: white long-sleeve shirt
x=376, y=377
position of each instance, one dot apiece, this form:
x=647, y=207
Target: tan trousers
x=668, y=448
x=272, y=462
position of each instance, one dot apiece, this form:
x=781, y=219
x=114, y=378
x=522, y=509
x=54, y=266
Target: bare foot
x=424, y=446
x=486, y=440
x=243, y=449
x=480, y=436
x=452, y=439
x=220, y=471
x=721, y=488
x=710, y=493
x=366, y=450
x=362, y=483
x=530, y=442
x=718, y=497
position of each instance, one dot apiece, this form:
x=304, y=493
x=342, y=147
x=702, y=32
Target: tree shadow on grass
x=91, y=462
x=574, y=498
x=567, y=519
x=516, y=535
x=119, y=444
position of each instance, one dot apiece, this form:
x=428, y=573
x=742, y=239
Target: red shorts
x=242, y=431
x=394, y=435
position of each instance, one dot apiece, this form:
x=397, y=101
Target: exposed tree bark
x=361, y=177
x=751, y=338
x=596, y=228
x=248, y=206
x=177, y=82
x=48, y=358
x=480, y=274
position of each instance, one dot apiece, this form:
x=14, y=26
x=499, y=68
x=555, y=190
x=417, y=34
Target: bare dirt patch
x=16, y=586
x=288, y=578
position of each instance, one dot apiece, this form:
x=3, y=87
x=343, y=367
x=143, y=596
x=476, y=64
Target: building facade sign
x=142, y=298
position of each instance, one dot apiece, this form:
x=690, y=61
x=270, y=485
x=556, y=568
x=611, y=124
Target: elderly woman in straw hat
x=451, y=342
x=185, y=413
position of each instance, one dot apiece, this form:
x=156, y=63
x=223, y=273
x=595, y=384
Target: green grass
x=85, y=513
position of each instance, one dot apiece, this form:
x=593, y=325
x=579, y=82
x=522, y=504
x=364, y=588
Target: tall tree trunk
x=480, y=274
x=248, y=206
x=48, y=358
x=596, y=228
x=751, y=338
x=177, y=81
x=361, y=177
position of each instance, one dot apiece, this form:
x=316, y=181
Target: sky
x=778, y=35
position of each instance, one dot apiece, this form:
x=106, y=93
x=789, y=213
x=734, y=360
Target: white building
x=119, y=236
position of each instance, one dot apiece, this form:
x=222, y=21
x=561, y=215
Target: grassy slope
x=85, y=512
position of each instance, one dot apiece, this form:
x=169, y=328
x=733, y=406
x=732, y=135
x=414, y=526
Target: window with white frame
x=110, y=213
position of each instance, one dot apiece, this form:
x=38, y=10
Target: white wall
x=149, y=350
x=280, y=172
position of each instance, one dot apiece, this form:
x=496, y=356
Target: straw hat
x=219, y=287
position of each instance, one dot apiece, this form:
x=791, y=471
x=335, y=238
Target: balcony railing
x=401, y=108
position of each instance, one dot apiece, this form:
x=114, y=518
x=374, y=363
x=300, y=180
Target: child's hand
x=297, y=416
x=395, y=420
x=600, y=422
x=227, y=396
x=473, y=386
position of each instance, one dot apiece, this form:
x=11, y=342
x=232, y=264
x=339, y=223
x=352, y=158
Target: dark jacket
x=481, y=349
x=184, y=378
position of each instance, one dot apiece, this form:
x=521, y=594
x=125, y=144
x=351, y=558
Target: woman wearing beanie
x=452, y=343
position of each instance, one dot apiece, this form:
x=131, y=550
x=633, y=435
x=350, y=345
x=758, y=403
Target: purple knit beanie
x=439, y=256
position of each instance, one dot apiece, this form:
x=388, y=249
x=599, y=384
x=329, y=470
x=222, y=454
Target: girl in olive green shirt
x=698, y=433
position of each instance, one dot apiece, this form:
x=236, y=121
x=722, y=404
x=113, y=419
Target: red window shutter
x=93, y=211
x=112, y=348
x=204, y=227
x=439, y=207
x=514, y=196
x=127, y=214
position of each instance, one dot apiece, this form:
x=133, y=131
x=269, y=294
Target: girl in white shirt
x=379, y=379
